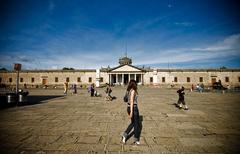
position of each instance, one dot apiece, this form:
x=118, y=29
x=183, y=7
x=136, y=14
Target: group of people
x=73, y=88
x=199, y=88
x=93, y=92
x=91, y=89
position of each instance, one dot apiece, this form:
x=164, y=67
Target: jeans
x=92, y=93
x=134, y=123
x=181, y=100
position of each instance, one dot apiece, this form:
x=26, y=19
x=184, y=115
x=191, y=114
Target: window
x=32, y=80
x=151, y=79
x=56, y=79
x=101, y=79
x=226, y=79
x=67, y=79
x=200, y=79
x=0, y=80
x=21, y=79
x=79, y=79
x=175, y=79
x=188, y=79
x=10, y=79
x=163, y=79
x=90, y=79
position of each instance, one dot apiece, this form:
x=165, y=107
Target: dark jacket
x=181, y=94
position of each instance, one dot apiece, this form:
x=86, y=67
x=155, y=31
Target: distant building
x=121, y=75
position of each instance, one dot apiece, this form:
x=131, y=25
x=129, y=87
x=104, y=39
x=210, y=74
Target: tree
x=66, y=68
x=3, y=69
x=223, y=67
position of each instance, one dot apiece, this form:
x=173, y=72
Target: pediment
x=126, y=68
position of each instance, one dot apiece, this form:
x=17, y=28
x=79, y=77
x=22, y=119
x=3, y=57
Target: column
x=122, y=79
x=117, y=79
x=128, y=78
x=135, y=78
x=110, y=79
x=142, y=79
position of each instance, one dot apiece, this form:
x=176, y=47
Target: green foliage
x=3, y=69
x=66, y=68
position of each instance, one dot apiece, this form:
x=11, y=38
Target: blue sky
x=52, y=34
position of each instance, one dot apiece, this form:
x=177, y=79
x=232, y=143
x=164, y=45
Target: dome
x=125, y=61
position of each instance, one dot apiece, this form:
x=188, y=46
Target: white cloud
x=92, y=48
x=230, y=43
x=230, y=46
x=232, y=40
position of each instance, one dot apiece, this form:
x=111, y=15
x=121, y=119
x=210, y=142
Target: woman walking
x=133, y=113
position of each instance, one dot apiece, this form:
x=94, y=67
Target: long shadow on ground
x=31, y=100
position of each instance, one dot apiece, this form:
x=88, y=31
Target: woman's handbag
x=125, y=98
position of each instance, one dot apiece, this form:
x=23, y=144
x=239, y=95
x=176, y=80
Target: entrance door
x=125, y=77
x=44, y=81
x=113, y=79
x=138, y=78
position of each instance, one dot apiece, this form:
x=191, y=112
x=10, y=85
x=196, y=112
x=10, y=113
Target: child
x=181, y=101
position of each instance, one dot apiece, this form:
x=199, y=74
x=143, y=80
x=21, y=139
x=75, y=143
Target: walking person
x=199, y=88
x=92, y=90
x=108, y=93
x=192, y=88
x=132, y=110
x=181, y=101
x=74, y=88
x=65, y=88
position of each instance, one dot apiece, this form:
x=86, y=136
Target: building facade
x=121, y=75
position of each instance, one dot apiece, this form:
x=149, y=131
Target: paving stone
x=81, y=124
x=177, y=115
x=185, y=125
x=203, y=142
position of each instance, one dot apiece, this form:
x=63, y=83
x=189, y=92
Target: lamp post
x=17, y=67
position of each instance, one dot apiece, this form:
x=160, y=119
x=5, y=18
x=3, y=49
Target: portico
x=124, y=78
x=124, y=73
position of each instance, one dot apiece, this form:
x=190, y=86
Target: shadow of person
x=30, y=100
x=175, y=104
x=114, y=97
x=35, y=99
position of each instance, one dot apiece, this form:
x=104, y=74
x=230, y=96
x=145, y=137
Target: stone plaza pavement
x=77, y=123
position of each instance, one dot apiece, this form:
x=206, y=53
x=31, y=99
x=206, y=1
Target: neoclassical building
x=121, y=75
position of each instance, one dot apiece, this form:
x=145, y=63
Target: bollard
x=11, y=98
